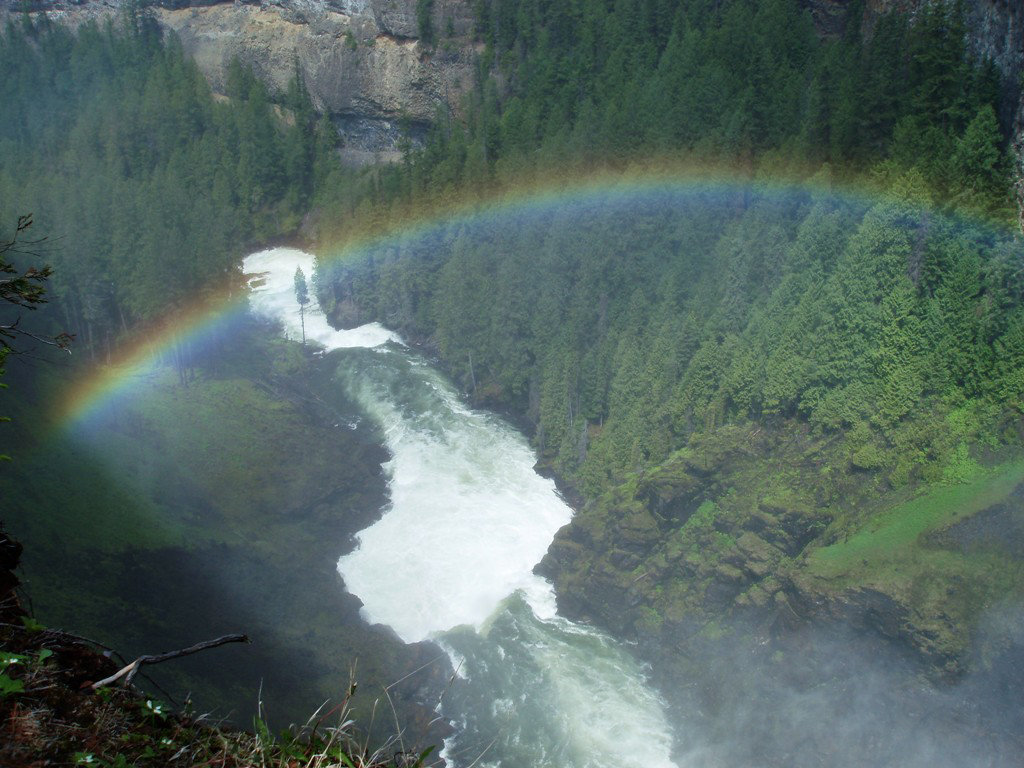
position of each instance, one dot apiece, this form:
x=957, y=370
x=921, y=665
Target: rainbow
x=98, y=387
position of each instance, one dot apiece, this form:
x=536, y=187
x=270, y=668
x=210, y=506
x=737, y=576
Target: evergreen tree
x=302, y=297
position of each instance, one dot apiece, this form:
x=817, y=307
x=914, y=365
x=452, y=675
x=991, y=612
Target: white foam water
x=272, y=279
x=452, y=559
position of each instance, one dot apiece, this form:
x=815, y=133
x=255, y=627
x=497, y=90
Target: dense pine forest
x=892, y=324
x=594, y=83
x=624, y=326
x=146, y=186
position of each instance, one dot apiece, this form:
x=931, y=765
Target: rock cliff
x=363, y=60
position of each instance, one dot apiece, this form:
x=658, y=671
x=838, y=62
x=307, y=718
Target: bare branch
x=24, y=288
x=18, y=243
x=11, y=331
x=128, y=672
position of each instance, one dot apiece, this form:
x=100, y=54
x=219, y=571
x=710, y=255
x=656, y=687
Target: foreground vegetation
x=50, y=714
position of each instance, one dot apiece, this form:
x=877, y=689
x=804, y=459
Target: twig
x=60, y=634
x=418, y=669
x=128, y=672
x=398, y=726
x=481, y=755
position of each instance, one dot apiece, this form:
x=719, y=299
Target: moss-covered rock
x=764, y=530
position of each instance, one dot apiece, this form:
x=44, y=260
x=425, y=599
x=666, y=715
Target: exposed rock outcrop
x=362, y=60
x=375, y=79
x=725, y=529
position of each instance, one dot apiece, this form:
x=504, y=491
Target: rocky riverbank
x=762, y=587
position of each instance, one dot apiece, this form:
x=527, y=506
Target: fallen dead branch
x=129, y=671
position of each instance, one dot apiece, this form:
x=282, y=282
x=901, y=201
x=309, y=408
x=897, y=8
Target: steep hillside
x=382, y=69
x=838, y=352
x=995, y=30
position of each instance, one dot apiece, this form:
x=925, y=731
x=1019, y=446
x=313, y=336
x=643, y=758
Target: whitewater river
x=451, y=560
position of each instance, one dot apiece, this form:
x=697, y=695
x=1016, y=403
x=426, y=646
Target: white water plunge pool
x=451, y=560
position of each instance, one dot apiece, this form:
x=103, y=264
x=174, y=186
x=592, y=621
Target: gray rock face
x=362, y=60
x=398, y=17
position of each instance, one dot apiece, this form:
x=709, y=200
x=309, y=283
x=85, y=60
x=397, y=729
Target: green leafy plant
x=153, y=711
x=8, y=684
x=31, y=624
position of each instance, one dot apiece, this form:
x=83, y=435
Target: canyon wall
x=363, y=60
